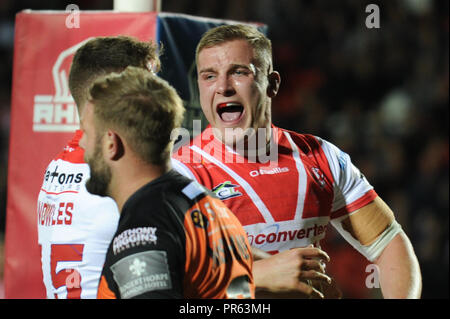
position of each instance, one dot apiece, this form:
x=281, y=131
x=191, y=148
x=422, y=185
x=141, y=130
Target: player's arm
x=373, y=231
x=104, y=292
x=146, y=263
x=369, y=225
x=144, y=275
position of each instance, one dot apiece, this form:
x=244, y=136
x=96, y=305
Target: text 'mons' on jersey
x=284, y=203
x=74, y=227
x=175, y=240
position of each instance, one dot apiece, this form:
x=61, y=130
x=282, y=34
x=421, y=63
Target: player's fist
x=290, y=274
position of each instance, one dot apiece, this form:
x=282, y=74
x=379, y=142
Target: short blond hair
x=261, y=45
x=142, y=107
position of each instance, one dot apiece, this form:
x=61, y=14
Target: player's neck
x=259, y=147
x=131, y=177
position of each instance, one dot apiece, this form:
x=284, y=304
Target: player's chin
x=96, y=187
x=99, y=181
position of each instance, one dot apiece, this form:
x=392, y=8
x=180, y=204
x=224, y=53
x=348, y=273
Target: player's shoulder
x=171, y=191
x=186, y=156
x=184, y=191
x=184, y=168
x=72, y=152
x=191, y=152
x=74, y=155
x=306, y=142
x=187, y=197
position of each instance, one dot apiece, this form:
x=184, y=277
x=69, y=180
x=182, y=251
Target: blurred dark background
x=381, y=95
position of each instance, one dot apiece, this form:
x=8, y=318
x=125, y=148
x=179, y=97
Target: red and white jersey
x=74, y=227
x=285, y=203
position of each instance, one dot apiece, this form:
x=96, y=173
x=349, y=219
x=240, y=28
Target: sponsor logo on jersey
x=143, y=272
x=134, y=237
x=137, y=267
x=271, y=171
x=57, y=113
x=61, y=181
x=63, y=178
x=226, y=190
x=287, y=234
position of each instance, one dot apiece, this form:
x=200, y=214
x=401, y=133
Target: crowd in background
x=380, y=94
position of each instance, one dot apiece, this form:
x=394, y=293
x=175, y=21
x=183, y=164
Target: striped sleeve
x=351, y=188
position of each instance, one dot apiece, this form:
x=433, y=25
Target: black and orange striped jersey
x=175, y=240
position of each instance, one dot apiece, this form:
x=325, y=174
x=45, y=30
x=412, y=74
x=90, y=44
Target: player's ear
x=114, y=145
x=274, y=83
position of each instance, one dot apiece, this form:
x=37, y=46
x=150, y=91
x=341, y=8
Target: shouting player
x=285, y=187
x=75, y=227
x=173, y=239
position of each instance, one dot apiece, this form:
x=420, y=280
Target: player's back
x=74, y=227
x=174, y=240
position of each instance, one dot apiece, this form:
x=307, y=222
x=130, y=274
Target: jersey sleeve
x=218, y=255
x=351, y=188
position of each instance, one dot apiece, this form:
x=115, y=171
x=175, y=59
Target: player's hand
x=330, y=291
x=289, y=274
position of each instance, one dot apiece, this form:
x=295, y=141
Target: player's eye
x=241, y=71
x=208, y=76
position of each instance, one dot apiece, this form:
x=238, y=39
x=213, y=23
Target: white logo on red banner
x=58, y=112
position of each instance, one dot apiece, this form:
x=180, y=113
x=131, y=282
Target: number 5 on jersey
x=68, y=277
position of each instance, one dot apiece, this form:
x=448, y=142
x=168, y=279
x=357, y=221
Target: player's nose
x=225, y=86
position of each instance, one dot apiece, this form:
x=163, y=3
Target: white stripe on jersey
x=248, y=189
x=302, y=178
x=182, y=169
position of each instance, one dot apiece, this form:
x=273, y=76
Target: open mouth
x=230, y=112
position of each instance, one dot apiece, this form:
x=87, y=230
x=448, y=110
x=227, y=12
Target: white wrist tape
x=372, y=251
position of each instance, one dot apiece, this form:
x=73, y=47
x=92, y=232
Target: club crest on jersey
x=226, y=190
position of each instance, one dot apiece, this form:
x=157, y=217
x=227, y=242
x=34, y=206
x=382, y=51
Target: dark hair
x=103, y=55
